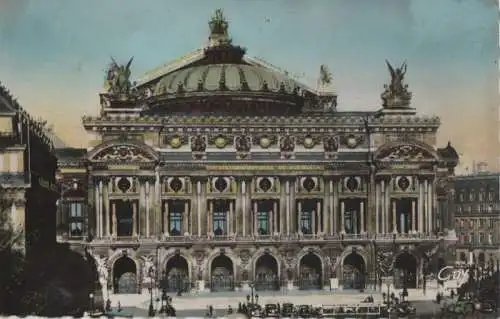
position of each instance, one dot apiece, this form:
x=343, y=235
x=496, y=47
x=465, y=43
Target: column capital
x=202, y=179
x=333, y=178
x=146, y=178
x=383, y=177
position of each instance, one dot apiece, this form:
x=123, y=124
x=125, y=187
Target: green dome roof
x=225, y=77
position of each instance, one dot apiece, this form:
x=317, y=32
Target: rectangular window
x=76, y=229
x=461, y=197
x=306, y=223
x=263, y=223
x=13, y=162
x=481, y=238
x=175, y=223
x=219, y=224
x=471, y=238
x=481, y=196
x=490, y=196
x=76, y=210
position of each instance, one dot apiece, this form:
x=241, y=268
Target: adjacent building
x=477, y=217
x=220, y=170
x=28, y=190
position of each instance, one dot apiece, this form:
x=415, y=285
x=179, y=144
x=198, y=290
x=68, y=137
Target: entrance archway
x=222, y=276
x=266, y=273
x=354, y=271
x=125, y=276
x=310, y=269
x=176, y=275
x=405, y=271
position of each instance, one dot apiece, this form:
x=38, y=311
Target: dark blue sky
x=53, y=52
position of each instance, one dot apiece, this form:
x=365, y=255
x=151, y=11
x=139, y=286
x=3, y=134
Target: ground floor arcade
x=263, y=269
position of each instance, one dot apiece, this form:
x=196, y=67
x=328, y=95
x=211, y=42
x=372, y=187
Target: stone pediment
x=123, y=152
x=406, y=152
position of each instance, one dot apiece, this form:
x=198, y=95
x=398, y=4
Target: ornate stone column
x=362, y=216
x=98, y=197
x=371, y=202
x=334, y=199
x=313, y=222
x=299, y=216
x=275, y=217
x=134, y=219
x=230, y=229
x=413, y=216
x=387, y=201
x=157, y=210
x=287, y=204
x=115, y=228
x=342, y=217
x=282, y=207
x=254, y=216
x=326, y=207
x=295, y=224
x=394, y=219
x=198, y=205
x=318, y=220
x=141, y=227
x=244, y=210
x=210, y=214
x=270, y=219
x=427, y=206
x=185, y=218
x=166, y=218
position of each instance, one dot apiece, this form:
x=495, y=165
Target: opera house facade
x=219, y=171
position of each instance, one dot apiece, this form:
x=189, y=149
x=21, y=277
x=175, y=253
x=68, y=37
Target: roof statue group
x=396, y=94
x=119, y=86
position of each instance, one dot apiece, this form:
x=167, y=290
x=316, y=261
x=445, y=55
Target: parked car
x=287, y=310
x=271, y=311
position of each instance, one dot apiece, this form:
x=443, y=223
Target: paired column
x=106, y=187
x=342, y=217
x=387, y=205
x=413, y=216
x=394, y=219
x=209, y=217
x=362, y=213
x=166, y=219
x=244, y=204
x=198, y=206
x=185, y=218
x=282, y=209
x=275, y=217
x=334, y=200
x=318, y=212
x=230, y=218
x=98, y=208
x=113, y=212
x=288, y=206
x=255, y=213
x=134, y=219
x=299, y=216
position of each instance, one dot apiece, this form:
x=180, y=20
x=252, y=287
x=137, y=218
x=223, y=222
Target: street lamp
x=151, y=311
x=254, y=297
x=91, y=298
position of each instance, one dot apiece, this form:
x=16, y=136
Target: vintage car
x=304, y=311
x=271, y=311
x=287, y=310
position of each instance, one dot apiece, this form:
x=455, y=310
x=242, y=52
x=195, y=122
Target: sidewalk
x=221, y=300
